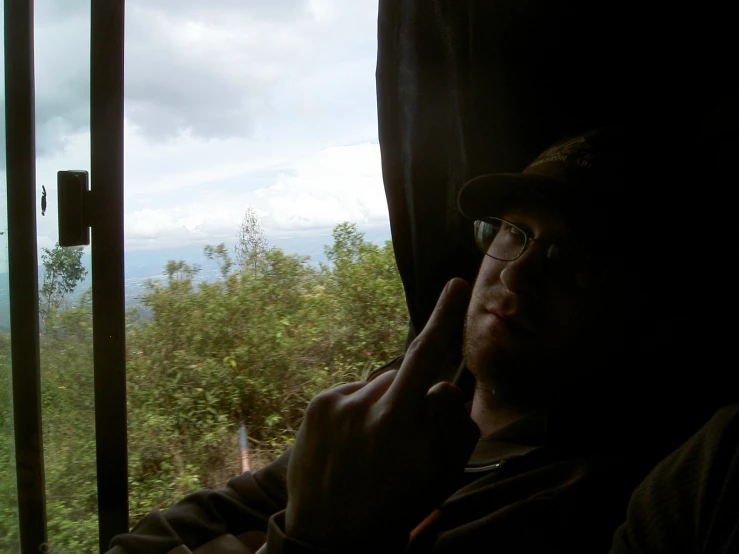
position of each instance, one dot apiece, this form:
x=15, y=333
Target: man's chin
x=489, y=358
x=512, y=382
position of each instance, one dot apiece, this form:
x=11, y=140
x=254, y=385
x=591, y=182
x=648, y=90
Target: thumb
x=448, y=411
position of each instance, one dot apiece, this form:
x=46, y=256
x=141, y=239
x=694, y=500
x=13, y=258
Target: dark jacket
x=540, y=485
x=516, y=495
x=690, y=501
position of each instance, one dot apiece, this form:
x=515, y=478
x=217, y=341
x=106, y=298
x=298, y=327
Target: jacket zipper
x=490, y=467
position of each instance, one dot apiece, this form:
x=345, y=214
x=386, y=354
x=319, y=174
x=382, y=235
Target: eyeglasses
x=505, y=241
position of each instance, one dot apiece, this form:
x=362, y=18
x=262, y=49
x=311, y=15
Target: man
x=557, y=433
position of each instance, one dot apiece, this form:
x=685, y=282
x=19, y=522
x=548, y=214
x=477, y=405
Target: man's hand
x=372, y=460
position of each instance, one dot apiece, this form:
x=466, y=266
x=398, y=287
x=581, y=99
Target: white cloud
x=334, y=185
x=225, y=72
x=229, y=104
x=338, y=184
x=208, y=221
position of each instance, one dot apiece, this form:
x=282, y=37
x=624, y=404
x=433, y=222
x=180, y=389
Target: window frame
x=106, y=221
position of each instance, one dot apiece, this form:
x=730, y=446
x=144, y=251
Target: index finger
x=428, y=356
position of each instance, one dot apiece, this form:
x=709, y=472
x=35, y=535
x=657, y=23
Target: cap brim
x=485, y=195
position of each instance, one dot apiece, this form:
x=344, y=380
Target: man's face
x=531, y=326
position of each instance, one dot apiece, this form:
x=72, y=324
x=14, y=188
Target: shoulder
x=691, y=496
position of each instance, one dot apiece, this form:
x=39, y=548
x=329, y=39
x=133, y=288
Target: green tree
x=252, y=245
x=67, y=396
x=220, y=254
x=252, y=344
x=257, y=343
x=9, y=536
x=368, y=299
x=63, y=271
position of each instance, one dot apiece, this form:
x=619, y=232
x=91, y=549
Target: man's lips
x=511, y=320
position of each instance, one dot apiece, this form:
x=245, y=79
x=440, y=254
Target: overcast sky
x=228, y=104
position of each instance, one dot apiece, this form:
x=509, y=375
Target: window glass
x=258, y=266
x=62, y=69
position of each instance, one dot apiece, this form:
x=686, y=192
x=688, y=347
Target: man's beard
x=526, y=380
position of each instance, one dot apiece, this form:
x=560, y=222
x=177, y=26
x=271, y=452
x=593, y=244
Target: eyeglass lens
x=504, y=241
x=499, y=239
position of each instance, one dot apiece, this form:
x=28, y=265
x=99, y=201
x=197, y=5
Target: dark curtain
x=467, y=87
x=472, y=86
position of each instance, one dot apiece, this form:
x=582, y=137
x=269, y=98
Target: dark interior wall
x=470, y=86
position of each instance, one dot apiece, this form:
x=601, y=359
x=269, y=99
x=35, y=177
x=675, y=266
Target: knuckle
x=423, y=347
x=388, y=411
x=351, y=405
x=384, y=416
x=413, y=348
x=321, y=404
x=430, y=345
x=446, y=392
x=385, y=380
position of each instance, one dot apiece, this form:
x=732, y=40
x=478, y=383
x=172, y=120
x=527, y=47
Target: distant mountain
x=142, y=265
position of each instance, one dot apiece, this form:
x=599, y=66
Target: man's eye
x=515, y=232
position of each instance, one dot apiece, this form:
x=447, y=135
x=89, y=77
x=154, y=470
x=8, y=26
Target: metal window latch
x=74, y=208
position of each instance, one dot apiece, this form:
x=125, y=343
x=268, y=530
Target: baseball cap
x=583, y=176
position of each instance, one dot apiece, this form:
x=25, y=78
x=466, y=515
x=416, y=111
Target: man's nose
x=524, y=274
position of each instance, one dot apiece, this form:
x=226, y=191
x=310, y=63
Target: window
x=258, y=268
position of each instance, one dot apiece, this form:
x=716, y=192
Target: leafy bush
x=255, y=344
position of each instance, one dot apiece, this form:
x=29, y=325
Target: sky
x=229, y=104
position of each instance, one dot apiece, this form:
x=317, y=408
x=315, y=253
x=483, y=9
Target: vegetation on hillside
x=255, y=344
